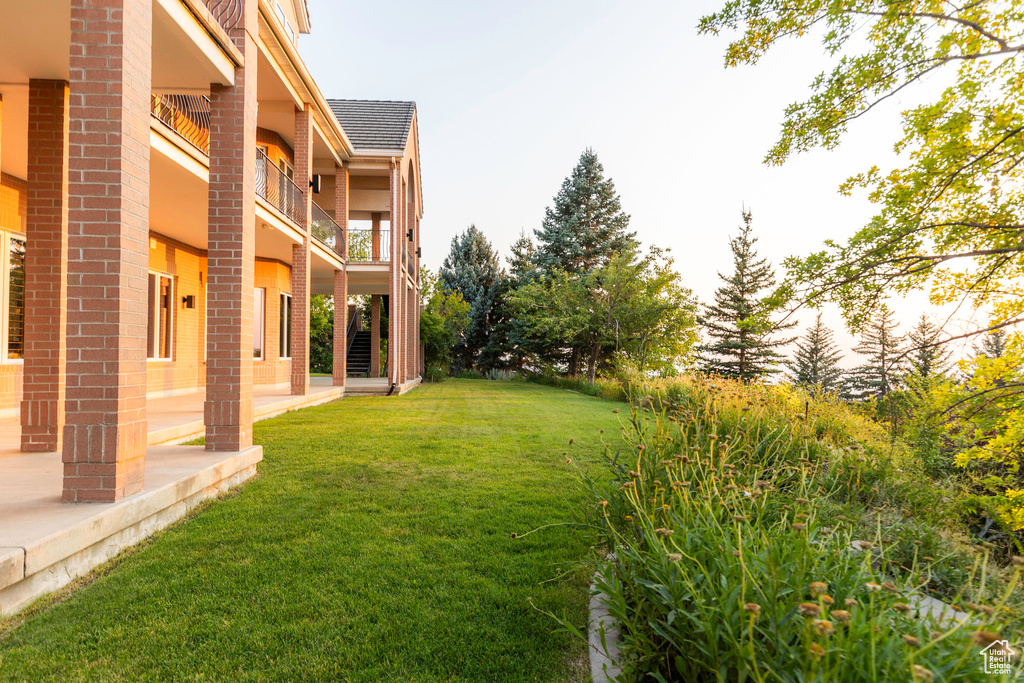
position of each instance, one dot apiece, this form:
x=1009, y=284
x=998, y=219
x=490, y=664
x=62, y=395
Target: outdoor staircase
x=359, y=354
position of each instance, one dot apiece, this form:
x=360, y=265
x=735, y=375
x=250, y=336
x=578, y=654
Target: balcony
x=189, y=117
x=280, y=191
x=369, y=246
x=325, y=230
x=186, y=115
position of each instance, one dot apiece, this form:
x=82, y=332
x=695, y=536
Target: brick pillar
x=232, y=240
x=301, y=255
x=1, y=121
x=340, y=327
x=341, y=206
x=108, y=249
x=46, y=266
x=375, y=254
x=375, y=335
x=395, y=271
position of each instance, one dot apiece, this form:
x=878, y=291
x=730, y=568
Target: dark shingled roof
x=375, y=124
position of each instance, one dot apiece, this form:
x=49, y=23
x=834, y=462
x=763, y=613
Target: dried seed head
x=799, y=526
x=922, y=674
x=674, y=557
x=615, y=410
x=809, y=609
x=911, y=640
x=901, y=607
x=824, y=628
x=841, y=615
x=890, y=586
x=817, y=588
x=872, y=587
x=513, y=535
x=850, y=602
x=802, y=501
x=737, y=553
x=866, y=545
x=984, y=638
x=753, y=608
x=664, y=532
x=1017, y=560
x=739, y=518
x=817, y=650
x=826, y=599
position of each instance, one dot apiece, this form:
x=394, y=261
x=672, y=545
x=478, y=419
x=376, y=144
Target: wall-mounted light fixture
x=188, y=301
x=315, y=184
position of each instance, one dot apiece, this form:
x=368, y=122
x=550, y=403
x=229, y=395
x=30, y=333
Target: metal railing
x=326, y=230
x=277, y=188
x=186, y=115
x=369, y=245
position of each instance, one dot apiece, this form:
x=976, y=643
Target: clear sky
x=509, y=95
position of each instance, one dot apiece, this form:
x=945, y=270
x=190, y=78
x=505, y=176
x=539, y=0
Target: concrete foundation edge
x=123, y=529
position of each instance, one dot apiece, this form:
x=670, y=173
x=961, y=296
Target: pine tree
x=928, y=358
x=883, y=347
x=472, y=269
x=815, y=362
x=586, y=226
x=740, y=323
x=993, y=344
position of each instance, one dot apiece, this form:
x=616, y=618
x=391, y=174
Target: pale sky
x=509, y=94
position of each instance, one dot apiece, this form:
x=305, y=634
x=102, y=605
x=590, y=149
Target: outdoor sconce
x=188, y=301
x=419, y=252
x=315, y=184
x=409, y=234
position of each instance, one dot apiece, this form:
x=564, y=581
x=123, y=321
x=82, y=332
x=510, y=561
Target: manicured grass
x=375, y=545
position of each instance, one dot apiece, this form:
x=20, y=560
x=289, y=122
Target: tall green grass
x=730, y=512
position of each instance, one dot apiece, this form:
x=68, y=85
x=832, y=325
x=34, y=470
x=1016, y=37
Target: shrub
x=500, y=375
x=730, y=511
x=435, y=372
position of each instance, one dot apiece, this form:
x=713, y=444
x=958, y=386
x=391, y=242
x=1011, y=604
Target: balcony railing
x=277, y=188
x=324, y=229
x=186, y=115
x=369, y=245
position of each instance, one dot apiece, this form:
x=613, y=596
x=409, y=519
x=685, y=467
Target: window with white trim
x=286, y=326
x=160, y=340
x=13, y=294
x=259, y=323
x=284, y=22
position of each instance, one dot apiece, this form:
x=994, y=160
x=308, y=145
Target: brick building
x=174, y=189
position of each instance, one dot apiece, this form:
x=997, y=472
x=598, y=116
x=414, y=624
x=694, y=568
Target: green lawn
x=374, y=545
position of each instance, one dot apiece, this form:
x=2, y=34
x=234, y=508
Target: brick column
x=341, y=206
x=375, y=254
x=301, y=255
x=46, y=266
x=232, y=240
x=340, y=327
x=375, y=335
x=1, y=122
x=108, y=249
x=395, y=271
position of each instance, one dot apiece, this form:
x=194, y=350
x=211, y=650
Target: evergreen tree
x=883, y=347
x=586, y=225
x=815, y=362
x=993, y=344
x=740, y=323
x=928, y=358
x=471, y=269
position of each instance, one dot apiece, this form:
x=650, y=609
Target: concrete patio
x=46, y=544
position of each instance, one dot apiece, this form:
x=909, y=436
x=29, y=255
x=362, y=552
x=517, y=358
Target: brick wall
x=275, y=277
x=187, y=267
x=13, y=212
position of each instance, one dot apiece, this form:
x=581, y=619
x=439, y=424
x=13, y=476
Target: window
x=259, y=322
x=286, y=326
x=161, y=317
x=284, y=22
x=15, y=298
